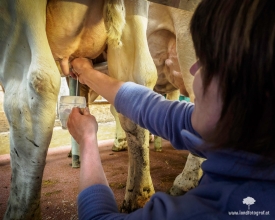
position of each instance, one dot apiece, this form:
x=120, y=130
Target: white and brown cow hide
x=171, y=48
x=31, y=80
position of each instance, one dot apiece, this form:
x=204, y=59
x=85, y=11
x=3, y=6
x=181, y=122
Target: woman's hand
x=80, y=67
x=82, y=126
x=99, y=82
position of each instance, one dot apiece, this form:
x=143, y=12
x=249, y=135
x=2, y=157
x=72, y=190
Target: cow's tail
x=114, y=18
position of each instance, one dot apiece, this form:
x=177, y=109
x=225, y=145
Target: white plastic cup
x=66, y=104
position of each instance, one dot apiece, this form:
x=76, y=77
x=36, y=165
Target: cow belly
x=74, y=29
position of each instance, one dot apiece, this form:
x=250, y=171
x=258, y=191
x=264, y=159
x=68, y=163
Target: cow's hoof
x=176, y=191
x=120, y=145
x=158, y=144
x=75, y=161
x=158, y=149
x=117, y=149
x=76, y=164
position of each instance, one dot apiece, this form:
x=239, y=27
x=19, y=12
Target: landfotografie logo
x=249, y=201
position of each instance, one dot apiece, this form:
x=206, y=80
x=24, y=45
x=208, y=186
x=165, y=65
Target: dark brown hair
x=235, y=42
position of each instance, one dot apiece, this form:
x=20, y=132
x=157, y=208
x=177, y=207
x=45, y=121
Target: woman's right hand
x=99, y=82
x=79, y=68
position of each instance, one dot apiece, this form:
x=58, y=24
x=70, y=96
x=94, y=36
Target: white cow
x=171, y=48
x=31, y=81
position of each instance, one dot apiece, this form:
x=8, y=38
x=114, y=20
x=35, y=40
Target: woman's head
x=235, y=43
x=208, y=104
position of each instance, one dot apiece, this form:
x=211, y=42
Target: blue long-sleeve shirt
x=233, y=186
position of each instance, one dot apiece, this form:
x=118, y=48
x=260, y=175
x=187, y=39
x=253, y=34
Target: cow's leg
x=192, y=172
x=158, y=140
x=133, y=62
x=157, y=143
x=120, y=142
x=185, y=50
x=139, y=186
x=31, y=114
x=173, y=95
x=31, y=81
x=31, y=117
x=189, y=177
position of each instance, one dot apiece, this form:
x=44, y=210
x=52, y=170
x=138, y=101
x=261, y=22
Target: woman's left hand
x=82, y=125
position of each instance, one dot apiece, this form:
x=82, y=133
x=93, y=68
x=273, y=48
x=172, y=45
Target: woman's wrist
x=91, y=170
x=88, y=143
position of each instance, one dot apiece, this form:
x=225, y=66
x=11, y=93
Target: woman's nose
x=194, y=68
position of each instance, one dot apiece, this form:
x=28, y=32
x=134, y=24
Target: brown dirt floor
x=60, y=181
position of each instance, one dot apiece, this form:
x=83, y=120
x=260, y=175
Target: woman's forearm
x=103, y=85
x=91, y=171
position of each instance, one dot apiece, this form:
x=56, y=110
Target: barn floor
x=60, y=181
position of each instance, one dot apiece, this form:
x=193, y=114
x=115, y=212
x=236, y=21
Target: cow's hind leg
x=31, y=81
x=120, y=142
x=31, y=114
x=139, y=183
x=158, y=140
x=190, y=176
x=131, y=61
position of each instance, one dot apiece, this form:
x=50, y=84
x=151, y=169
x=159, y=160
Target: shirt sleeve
x=152, y=111
x=98, y=202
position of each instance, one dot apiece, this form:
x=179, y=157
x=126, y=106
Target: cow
x=31, y=81
x=171, y=48
x=36, y=34
x=169, y=41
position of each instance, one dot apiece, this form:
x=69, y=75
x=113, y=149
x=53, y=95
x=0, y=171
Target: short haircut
x=234, y=41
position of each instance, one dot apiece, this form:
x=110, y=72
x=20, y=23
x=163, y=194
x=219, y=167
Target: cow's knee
x=44, y=83
x=128, y=125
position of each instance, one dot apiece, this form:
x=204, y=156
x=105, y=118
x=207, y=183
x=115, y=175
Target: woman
x=231, y=123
